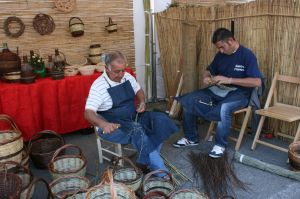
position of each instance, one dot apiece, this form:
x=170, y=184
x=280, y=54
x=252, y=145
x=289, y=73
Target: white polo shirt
x=99, y=98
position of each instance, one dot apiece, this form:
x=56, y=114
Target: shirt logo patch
x=239, y=68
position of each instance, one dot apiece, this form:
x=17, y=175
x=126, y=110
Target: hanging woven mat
x=43, y=24
x=65, y=5
x=8, y=27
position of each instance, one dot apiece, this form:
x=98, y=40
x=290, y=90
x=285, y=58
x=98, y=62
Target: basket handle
x=156, y=172
x=41, y=134
x=108, y=179
x=75, y=18
x=118, y=159
x=35, y=180
x=18, y=166
x=9, y=120
x=110, y=22
x=64, y=147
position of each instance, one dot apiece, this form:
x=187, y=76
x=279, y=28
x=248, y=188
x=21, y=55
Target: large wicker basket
x=31, y=187
x=294, y=155
x=131, y=176
x=42, y=146
x=188, y=193
x=10, y=185
x=108, y=189
x=64, y=165
x=11, y=141
x=153, y=183
x=23, y=172
x=68, y=185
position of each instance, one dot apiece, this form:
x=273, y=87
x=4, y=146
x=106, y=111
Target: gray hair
x=111, y=56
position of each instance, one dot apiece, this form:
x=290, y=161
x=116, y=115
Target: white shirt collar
x=113, y=82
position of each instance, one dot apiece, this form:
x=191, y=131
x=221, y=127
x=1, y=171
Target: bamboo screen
x=94, y=14
x=271, y=28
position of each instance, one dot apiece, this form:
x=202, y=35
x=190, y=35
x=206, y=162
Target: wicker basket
x=188, y=193
x=294, y=155
x=155, y=195
x=33, y=185
x=76, y=61
x=64, y=165
x=76, y=26
x=10, y=185
x=25, y=157
x=23, y=172
x=42, y=146
x=100, y=67
x=81, y=194
x=130, y=176
x=108, y=189
x=151, y=183
x=71, y=71
x=87, y=70
x=11, y=141
x=95, y=59
x=68, y=185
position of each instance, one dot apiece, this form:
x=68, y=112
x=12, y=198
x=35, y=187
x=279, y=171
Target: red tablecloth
x=56, y=105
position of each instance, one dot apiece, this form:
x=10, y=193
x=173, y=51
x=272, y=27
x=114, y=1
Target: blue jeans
x=223, y=127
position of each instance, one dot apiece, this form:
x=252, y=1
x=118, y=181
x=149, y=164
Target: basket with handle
x=42, y=146
x=109, y=189
x=32, y=185
x=153, y=183
x=155, y=195
x=188, y=193
x=68, y=185
x=10, y=185
x=23, y=172
x=131, y=176
x=11, y=141
x=68, y=164
x=76, y=26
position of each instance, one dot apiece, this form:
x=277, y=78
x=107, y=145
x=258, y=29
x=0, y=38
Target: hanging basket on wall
x=43, y=24
x=76, y=26
x=7, y=27
x=111, y=27
x=65, y=6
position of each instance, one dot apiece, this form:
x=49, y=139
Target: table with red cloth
x=56, y=105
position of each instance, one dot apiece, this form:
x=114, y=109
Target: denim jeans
x=223, y=127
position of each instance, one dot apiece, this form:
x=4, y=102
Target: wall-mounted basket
x=65, y=6
x=111, y=27
x=7, y=27
x=43, y=24
x=76, y=26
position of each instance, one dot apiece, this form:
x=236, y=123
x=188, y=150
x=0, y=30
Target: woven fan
x=65, y=5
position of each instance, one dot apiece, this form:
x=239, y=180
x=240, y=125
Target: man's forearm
x=93, y=119
x=246, y=82
x=140, y=96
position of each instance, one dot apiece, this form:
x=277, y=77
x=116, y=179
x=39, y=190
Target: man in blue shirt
x=230, y=79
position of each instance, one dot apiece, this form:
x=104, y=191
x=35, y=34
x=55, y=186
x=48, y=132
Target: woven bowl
x=71, y=70
x=76, y=60
x=294, y=155
x=87, y=70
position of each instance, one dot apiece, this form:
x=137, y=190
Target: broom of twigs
x=218, y=174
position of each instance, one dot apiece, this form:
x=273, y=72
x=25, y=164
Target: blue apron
x=151, y=129
x=204, y=103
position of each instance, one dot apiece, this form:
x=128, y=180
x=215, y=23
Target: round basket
x=10, y=185
x=155, y=195
x=76, y=26
x=68, y=185
x=130, y=176
x=43, y=24
x=23, y=172
x=33, y=185
x=95, y=59
x=188, y=193
x=64, y=165
x=294, y=155
x=76, y=60
x=65, y=6
x=42, y=146
x=71, y=71
x=111, y=27
x=95, y=49
x=109, y=189
x=151, y=183
x=7, y=27
x=11, y=141
x=87, y=70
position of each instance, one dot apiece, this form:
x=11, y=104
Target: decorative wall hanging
x=76, y=26
x=65, y=5
x=43, y=24
x=111, y=27
x=7, y=27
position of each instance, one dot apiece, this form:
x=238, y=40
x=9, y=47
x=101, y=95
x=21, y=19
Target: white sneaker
x=183, y=142
x=217, y=152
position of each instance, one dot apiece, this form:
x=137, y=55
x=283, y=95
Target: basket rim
x=172, y=194
x=54, y=170
x=14, y=129
x=58, y=180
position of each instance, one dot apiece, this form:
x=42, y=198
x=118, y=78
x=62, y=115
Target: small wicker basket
x=187, y=193
x=151, y=183
x=64, y=165
x=10, y=185
x=81, y=194
x=71, y=71
x=87, y=70
x=294, y=155
x=33, y=185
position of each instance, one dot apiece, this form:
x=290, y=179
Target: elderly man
x=230, y=78
x=110, y=106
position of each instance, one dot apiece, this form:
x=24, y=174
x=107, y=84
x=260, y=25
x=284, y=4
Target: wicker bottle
x=27, y=74
x=9, y=61
x=58, y=66
x=50, y=65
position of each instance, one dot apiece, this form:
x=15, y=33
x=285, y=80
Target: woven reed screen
x=271, y=28
x=94, y=13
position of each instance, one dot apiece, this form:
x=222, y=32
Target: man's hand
x=222, y=80
x=207, y=80
x=109, y=127
x=141, y=107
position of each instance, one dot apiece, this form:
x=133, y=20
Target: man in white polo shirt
x=110, y=106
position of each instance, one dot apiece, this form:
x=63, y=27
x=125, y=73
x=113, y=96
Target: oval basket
x=68, y=185
x=42, y=146
x=151, y=183
x=188, y=193
x=294, y=155
x=87, y=70
x=11, y=141
x=10, y=185
x=109, y=189
x=24, y=174
x=31, y=187
x=64, y=165
x=130, y=176
x=76, y=26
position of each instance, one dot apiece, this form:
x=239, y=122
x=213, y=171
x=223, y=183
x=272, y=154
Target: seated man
x=110, y=106
x=230, y=78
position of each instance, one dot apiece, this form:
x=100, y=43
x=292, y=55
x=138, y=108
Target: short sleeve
x=252, y=66
x=135, y=85
x=94, y=99
x=212, y=68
